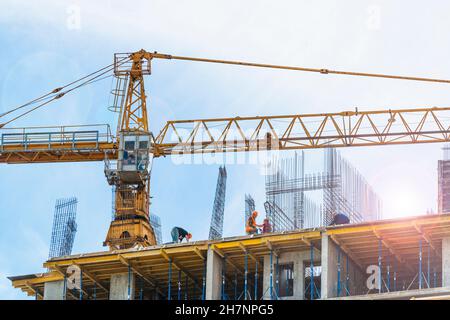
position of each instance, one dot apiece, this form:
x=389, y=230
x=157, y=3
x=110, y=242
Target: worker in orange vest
x=252, y=227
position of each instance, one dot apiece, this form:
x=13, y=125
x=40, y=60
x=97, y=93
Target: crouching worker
x=252, y=227
x=178, y=234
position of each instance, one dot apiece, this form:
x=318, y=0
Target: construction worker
x=267, y=227
x=340, y=218
x=178, y=234
x=252, y=227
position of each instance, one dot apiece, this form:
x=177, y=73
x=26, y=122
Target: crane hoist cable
x=58, y=93
x=294, y=68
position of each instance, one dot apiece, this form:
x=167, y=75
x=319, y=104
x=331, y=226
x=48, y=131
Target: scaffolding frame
x=64, y=227
x=249, y=207
x=216, y=228
x=155, y=222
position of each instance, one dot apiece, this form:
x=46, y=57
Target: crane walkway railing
x=56, y=144
x=54, y=138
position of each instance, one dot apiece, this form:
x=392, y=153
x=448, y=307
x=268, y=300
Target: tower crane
x=128, y=154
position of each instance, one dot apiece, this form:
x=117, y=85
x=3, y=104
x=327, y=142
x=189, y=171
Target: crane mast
x=130, y=174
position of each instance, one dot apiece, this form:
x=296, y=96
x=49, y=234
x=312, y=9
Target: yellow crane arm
x=285, y=132
x=308, y=131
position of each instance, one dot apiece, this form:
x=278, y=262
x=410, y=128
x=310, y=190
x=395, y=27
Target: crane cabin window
x=129, y=145
x=143, y=144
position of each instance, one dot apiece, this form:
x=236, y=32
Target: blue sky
x=46, y=44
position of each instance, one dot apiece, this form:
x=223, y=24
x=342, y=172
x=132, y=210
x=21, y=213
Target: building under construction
x=411, y=259
x=304, y=258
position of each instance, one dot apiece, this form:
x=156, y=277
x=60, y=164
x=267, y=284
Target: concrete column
x=54, y=290
x=329, y=268
x=298, y=260
x=213, y=276
x=122, y=286
x=446, y=262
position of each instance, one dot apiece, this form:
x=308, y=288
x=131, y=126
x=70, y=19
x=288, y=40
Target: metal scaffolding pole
x=428, y=268
x=179, y=285
x=271, y=275
x=420, y=263
x=129, y=282
x=169, y=286
x=339, y=273
x=395, y=275
x=81, y=284
x=435, y=278
x=311, y=276
x=347, y=276
x=380, y=273
x=235, y=286
x=256, y=280
x=186, y=287
x=65, y=287
x=277, y=270
x=224, y=263
x=388, y=270
x=204, y=281
x=245, y=275
x=141, y=289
